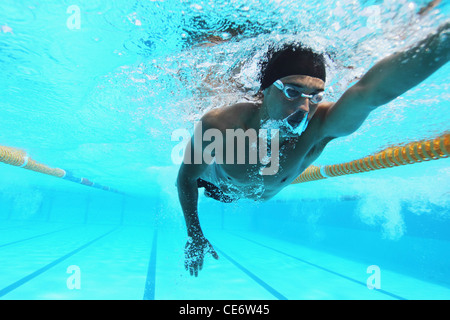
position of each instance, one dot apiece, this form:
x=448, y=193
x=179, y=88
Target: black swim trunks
x=214, y=192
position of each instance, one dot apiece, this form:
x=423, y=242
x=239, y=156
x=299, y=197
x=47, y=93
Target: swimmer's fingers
x=194, y=256
x=188, y=265
x=192, y=265
x=200, y=263
x=195, y=270
x=192, y=259
x=213, y=252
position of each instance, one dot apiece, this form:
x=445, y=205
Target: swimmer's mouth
x=296, y=118
x=297, y=122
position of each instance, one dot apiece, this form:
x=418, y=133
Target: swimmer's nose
x=301, y=111
x=304, y=105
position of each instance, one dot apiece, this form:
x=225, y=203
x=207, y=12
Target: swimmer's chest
x=274, y=168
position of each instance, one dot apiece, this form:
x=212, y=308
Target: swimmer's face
x=280, y=107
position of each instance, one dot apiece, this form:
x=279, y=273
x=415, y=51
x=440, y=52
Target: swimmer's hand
x=196, y=249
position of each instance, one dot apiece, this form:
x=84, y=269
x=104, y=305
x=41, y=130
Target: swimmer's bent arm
x=385, y=81
x=188, y=196
x=188, y=174
x=190, y=170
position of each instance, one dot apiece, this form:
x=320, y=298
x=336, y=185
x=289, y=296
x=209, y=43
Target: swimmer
x=292, y=84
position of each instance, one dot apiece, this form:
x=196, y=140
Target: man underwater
x=292, y=84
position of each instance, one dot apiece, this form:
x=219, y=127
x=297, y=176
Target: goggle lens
x=292, y=93
x=316, y=98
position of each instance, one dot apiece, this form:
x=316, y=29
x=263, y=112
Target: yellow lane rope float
x=19, y=158
x=413, y=152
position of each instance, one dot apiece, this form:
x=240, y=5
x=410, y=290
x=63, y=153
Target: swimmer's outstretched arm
x=385, y=81
x=197, y=246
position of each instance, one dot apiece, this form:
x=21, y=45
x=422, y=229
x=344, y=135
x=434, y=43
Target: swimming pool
x=98, y=87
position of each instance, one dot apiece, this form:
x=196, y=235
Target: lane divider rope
x=414, y=152
x=19, y=158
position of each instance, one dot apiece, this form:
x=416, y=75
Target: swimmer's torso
x=245, y=180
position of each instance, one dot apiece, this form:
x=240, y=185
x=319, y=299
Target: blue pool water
x=101, y=99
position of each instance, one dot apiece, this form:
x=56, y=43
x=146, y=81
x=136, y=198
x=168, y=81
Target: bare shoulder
x=230, y=117
x=323, y=108
x=321, y=140
x=320, y=117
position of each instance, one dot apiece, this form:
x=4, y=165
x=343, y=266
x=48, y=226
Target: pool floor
x=130, y=262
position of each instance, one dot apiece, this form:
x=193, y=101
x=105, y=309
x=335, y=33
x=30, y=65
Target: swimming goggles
x=292, y=92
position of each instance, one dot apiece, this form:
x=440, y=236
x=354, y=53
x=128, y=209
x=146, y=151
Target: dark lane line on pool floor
x=258, y=280
x=150, y=281
x=319, y=267
x=34, y=237
x=38, y=272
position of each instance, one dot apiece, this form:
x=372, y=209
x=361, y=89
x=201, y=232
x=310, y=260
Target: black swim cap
x=290, y=60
